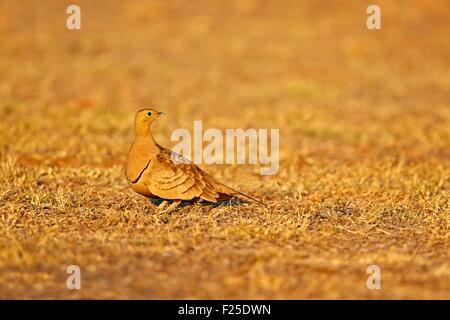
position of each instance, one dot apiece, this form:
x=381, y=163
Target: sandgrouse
x=156, y=172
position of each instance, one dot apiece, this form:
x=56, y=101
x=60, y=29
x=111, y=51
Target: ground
x=364, y=177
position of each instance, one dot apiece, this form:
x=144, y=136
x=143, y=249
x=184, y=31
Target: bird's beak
x=161, y=114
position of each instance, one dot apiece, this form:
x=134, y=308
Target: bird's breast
x=139, y=157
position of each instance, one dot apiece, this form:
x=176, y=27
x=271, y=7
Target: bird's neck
x=141, y=130
x=145, y=137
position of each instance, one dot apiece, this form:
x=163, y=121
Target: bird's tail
x=249, y=197
x=233, y=191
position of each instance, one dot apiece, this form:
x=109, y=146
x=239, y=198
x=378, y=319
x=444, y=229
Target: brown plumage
x=156, y=172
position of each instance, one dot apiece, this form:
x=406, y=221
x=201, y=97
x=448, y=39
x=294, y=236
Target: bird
x=159, y=173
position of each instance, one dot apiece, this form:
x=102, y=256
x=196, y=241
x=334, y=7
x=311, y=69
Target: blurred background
x=311, y=67
x=364, y=118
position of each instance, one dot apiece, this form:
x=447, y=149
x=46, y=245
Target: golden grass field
x=364, y=178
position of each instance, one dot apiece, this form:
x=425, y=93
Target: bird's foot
x=172, y=207
x=162, y=205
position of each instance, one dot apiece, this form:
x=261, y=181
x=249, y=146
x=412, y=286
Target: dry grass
x=365, y=148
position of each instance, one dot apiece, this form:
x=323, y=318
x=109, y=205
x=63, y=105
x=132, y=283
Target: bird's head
x=144, y=119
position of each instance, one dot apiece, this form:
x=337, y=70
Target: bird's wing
x=170, y=176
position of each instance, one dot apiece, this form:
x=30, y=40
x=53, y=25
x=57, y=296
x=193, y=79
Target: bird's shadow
x=225, y=203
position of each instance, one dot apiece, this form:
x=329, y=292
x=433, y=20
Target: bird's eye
x=149, y=114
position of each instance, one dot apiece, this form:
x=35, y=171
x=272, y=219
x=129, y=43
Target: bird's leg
x=174, y=204
x=163, y=204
